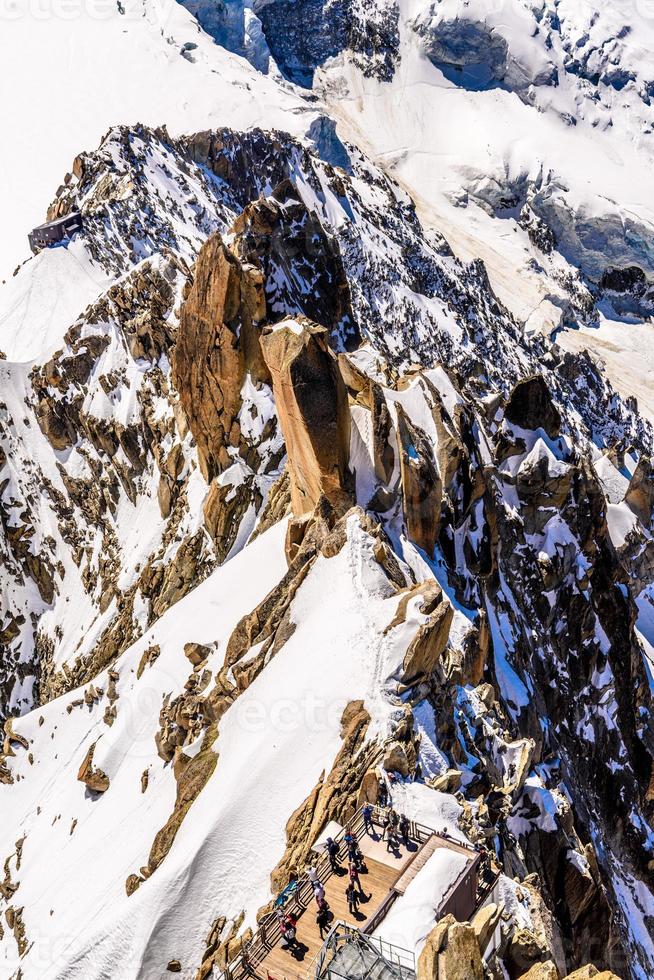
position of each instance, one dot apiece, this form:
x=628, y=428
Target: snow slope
x=479, y=135
x=286, y=725
x=69, y=74
x=579, y=152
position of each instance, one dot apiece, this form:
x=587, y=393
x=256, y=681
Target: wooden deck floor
x=383, y=872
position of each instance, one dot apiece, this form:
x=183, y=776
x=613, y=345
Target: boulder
x=526, y=949
x=395, y=759
x=447, y=782
x=427, y=968
x=132, y=884
x=95, y=779
x=530, y=406
x=541, y=971
x=461, y=959
x=369, y=789
x=485, y=923
x=312, y=404
x=197, y=653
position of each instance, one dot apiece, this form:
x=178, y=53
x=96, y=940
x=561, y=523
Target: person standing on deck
x=289, y=932
x=354, y=854
x=403, y=827
x=382, y=792
x=322, y=920
x=332, y=849
x=352, y=899
x=354, y=878
x=367, y=819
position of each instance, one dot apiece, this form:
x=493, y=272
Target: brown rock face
x=525, y=950
x=591, y=972
x=485, y=923
x=197, y=653
x=313, y=410
x=95, y=779
x=192, y=775
x=428, y=645
x=541, y=971
x=530, y=406
x=217, y=344
x=422, y=487
x=223, y=510
x=451, y=953
x=640, y=493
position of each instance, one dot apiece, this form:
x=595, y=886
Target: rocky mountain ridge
x=298, y=460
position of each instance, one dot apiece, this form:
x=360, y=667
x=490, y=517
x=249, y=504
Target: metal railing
x=294, y=900
x=297, y=896
x=401, y=961
x=405, y=959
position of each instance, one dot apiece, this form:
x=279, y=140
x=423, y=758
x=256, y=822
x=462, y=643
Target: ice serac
x=312, y=403
x=234, y=25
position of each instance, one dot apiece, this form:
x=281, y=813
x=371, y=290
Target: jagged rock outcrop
x=428, y=645
x=333, y=798
x=541, y=971
x=530, y=406
x=451, y=952
x=312, y=404
x=422, y=487
x=94, y=778
x=302, y=40
x=217, y=345
x=301, y=264
x=640, y=492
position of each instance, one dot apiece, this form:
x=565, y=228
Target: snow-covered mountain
x=325, y=455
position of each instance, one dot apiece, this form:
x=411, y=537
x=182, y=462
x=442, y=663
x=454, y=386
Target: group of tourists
x=395, y=828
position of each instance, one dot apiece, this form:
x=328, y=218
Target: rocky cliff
x=297, y=503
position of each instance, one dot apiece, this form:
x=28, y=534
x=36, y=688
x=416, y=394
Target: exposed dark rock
x=530, y=406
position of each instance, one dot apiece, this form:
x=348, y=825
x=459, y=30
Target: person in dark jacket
x=403, y=827
x=322, y=920
x=352, y=899
x=332, y=849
